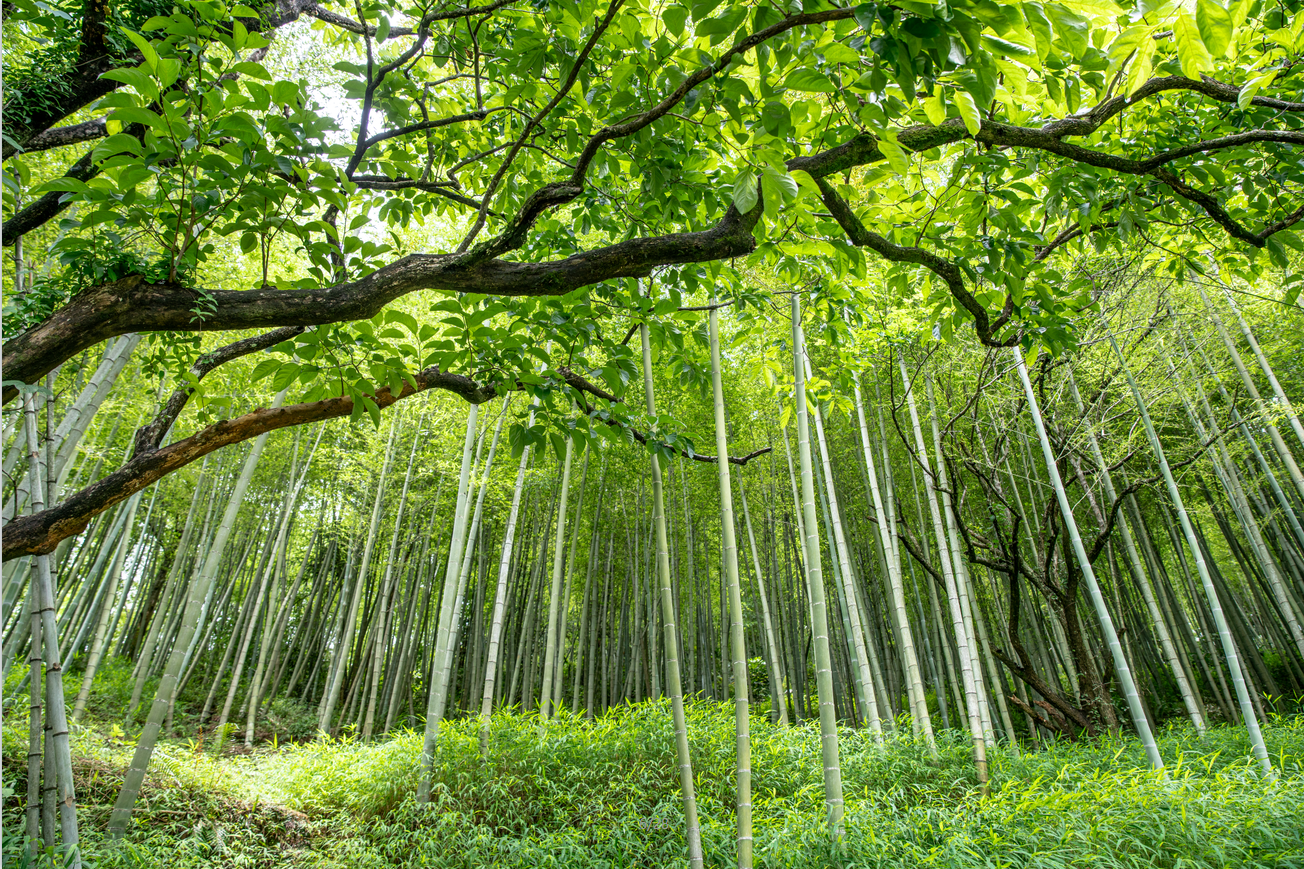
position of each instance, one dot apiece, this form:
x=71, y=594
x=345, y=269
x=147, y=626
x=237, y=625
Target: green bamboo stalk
x=1274, y=434
x=883, y=524
x=1227, y=474
x=100, y=640
x=669, y=622
x=815, y=587
x=778, y=682
x=344, y=638
x=1220, y=620
x=842, y=555
x=35, y=723
x=181, y=648
x=56, y=725
x=1121, y=668
x=443, y=645
x=496, y=622
x=963, y=642
x=1291, y=416
x=555, y=594
x=464, y=573
x=1189, y=698
x=174, y=586
x=566, y=585
x=737, y=643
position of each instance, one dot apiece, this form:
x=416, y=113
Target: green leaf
x=264, y=368
x=285, y=92
x=744, y=191
x=1277, y=253
x=865, y=14
x=702, y=9
x=968, y=111
x=1030, y=358
x=372, y=409
x=839, y=53
x=892, y=152
x=776, y=118
x=809, y=81
x=935, y=108
x=719, y=28
x=1215, y=25
x=1007, y=48
x=1039, y=25
x=137, y=78
x=286, y=373
x=1071, y=30
x=674, y=18
x=394, y=315
x=779, y=187
x=143, y=45
x=382, y=29
x=1191, y=52
x=64, y=184
x=140, y=115
x=168, y=71
x=253, y=70
x=1252, y=87
x=1142, y=65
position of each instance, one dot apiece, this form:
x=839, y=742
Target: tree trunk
x=669, y=620
x=815, y=585
x=1121, y=668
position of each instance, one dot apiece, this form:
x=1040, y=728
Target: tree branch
x=582, y=384
x=948, y=271
x=39, y=533
x=148, y=437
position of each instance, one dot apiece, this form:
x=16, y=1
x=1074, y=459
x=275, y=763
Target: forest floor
x=572, y=793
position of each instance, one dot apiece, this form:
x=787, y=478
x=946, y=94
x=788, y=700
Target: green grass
x=570, y=793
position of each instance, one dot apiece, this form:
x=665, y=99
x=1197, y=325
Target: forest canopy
x=389, y=365
x=181, y=170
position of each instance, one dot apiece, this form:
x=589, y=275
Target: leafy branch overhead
x=562, y=158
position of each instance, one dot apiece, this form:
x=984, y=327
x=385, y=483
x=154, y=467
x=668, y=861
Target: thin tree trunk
x=166, y=693
x=670, y=625
x=815, y=585
x=737, y=643
x=444, y=632
x=1121, y=668
x=1224, y=634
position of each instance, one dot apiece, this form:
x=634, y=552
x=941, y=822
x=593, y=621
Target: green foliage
x=41, y=77
x=213, y=149
x=200, y=145
x=604, y=793
x=291, y=720
x=86, y=262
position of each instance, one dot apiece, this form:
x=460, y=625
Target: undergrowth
x=573, y=793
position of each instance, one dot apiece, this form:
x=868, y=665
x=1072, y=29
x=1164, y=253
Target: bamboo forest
x=652, y=433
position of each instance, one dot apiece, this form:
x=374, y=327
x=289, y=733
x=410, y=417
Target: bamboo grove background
x=359, y=580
